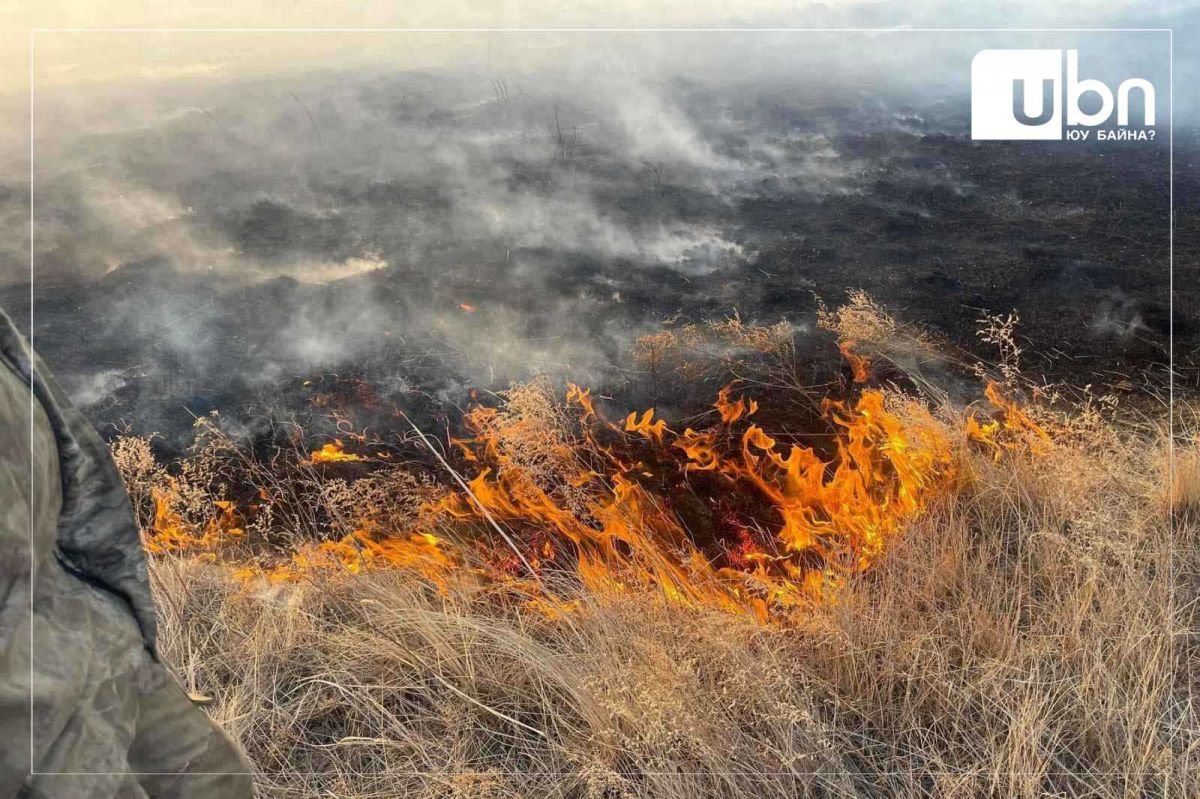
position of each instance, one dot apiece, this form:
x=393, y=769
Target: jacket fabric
x=87, y=707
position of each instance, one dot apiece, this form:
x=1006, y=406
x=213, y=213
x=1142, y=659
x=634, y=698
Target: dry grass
x=714, y=349
x=1032, y=635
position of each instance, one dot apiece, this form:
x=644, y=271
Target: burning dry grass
x=996, y=601
x=1028, y=637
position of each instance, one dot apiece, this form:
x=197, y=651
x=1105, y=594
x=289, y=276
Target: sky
x=83, y=58
x=75, y=59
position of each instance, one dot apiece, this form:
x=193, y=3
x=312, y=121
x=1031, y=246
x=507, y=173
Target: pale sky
x=77, y=59
x=67, y=65
x=64, y=58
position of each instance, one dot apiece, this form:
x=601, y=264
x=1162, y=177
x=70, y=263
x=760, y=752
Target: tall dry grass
x=1033, y=634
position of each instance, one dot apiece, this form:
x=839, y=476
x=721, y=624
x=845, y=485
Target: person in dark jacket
x=87, y=706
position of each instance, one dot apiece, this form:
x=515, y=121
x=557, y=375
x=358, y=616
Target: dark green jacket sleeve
x=86, y=707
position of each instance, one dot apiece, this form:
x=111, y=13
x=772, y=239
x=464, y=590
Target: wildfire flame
x=422, y=553
x=831, y=517
x=170, y=533
x=1008, y=428
x=787, y=522
x=860, y=366
x=731, y=411
x=333, y=452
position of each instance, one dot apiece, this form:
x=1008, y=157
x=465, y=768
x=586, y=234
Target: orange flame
x=333, y=452
x=732, y=411
x=860, y=366
x=1009, y=428
x=653, y=431
x=786, y=522
x=422, y=553
x=583, y=398
x=832, y=516
x=170, y=533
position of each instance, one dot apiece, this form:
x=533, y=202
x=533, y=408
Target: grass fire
x=813, y=585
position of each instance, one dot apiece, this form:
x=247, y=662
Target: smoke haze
x=509, y=206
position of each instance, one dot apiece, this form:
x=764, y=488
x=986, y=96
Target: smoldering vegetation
x=240, y=247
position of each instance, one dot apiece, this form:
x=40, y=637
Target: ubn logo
x=1019, y=94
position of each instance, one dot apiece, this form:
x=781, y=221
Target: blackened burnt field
x=406, y=241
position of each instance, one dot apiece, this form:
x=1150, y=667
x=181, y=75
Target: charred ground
x=540, y=241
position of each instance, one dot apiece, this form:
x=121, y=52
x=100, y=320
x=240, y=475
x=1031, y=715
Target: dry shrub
x=187, y=496
x=696, y=351
x=142, y=473
x=860, y=318
x=868, y=330
x=1184, y=493
x=1023, y=648
x=390, y=499
x=192, y=498
x=1185, y=490
x=283, y=499
x=1000, y=331
x=202, y=478
x=532, y=429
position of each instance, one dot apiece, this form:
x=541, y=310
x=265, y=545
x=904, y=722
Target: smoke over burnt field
x=434, y=233
x=635, y=420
